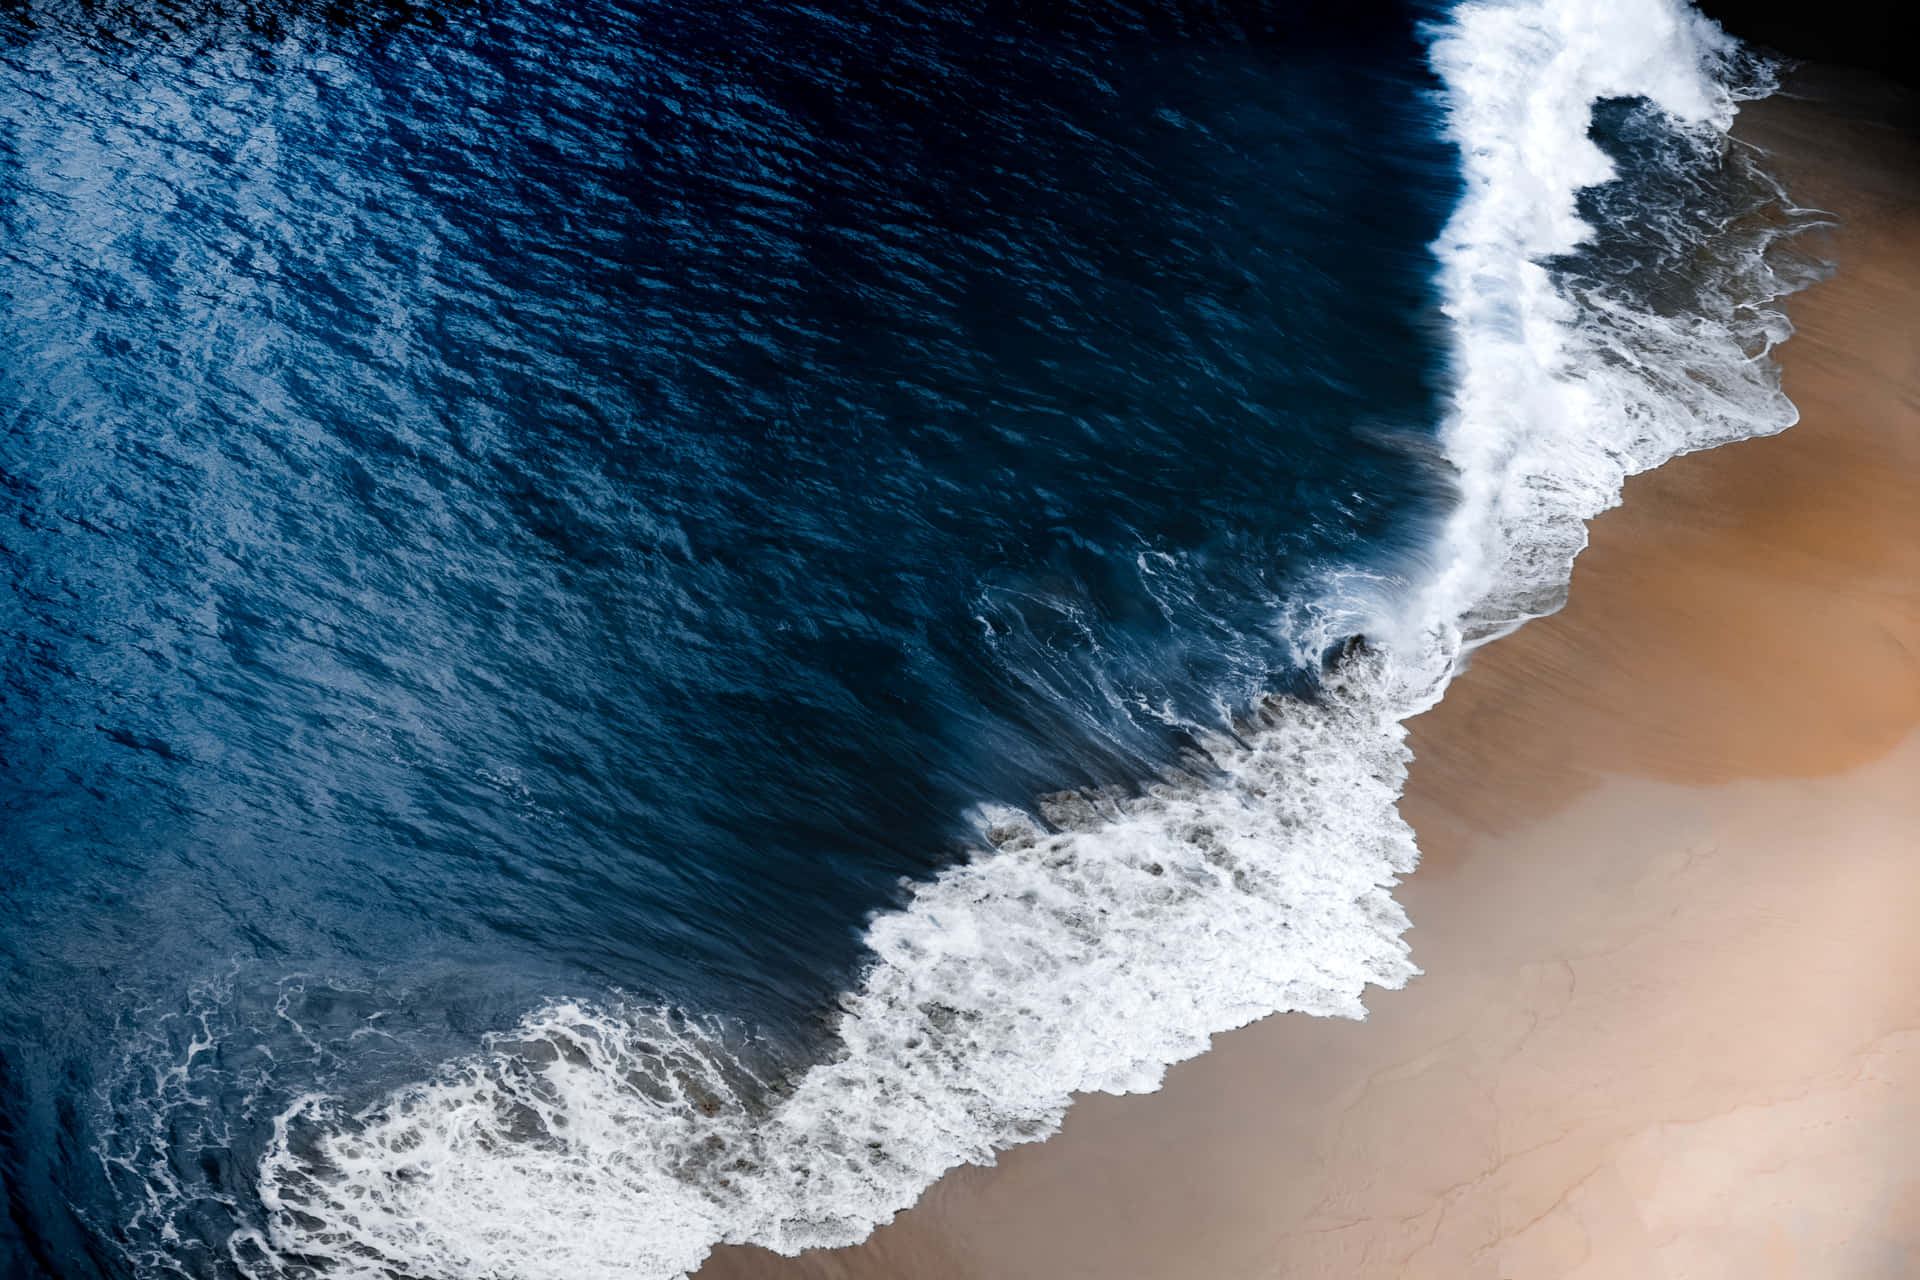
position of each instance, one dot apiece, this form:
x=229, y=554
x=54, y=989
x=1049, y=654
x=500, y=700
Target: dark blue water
x=560, y=496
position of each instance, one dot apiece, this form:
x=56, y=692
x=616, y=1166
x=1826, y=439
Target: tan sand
x=1670, y=1023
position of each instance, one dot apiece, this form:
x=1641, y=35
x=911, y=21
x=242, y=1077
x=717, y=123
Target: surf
x=1093, y=938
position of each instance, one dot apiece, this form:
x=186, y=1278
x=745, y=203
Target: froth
x=1095, y=941
x=1561, y=392
x=1084, y=954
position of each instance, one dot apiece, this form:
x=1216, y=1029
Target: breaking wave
x=1605, y=317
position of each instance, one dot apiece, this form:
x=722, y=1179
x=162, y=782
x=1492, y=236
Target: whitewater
x=1098, y=938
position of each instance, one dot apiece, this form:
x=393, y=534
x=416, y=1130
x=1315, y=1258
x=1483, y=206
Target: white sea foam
x=1559, y=398
x=1090, y=945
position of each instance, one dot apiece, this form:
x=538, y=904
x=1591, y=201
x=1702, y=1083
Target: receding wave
x=1092, y=942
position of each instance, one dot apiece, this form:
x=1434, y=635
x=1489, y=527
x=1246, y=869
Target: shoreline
x=1671, y=844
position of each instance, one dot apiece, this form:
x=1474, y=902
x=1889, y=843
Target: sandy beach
x=1668, y=1024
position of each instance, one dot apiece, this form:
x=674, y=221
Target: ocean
x=632, y=626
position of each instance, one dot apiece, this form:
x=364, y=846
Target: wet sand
x=1669, y=909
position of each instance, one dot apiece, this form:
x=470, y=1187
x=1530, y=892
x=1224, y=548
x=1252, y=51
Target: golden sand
x=1669, y=911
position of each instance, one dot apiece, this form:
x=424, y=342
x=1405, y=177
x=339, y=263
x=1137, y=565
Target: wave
x=1090, y=944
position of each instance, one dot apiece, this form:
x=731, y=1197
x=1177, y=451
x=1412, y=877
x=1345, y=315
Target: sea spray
x=1092, y=942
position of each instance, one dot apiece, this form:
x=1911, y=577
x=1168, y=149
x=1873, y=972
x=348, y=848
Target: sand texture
x=1670, y=1021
